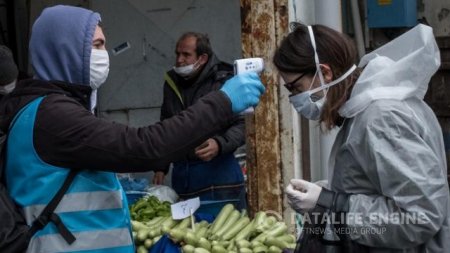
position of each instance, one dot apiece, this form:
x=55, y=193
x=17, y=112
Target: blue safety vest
x=94, y=208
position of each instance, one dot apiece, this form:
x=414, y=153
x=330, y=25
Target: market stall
x=230, y=230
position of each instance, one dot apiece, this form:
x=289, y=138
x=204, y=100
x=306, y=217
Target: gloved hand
x=322, y=183
x=243, y=90
x=302, y=195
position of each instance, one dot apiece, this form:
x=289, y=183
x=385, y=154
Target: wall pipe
x=358, y=28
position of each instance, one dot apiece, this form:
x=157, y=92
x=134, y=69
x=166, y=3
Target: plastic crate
x=213, y=207
x=133, y=196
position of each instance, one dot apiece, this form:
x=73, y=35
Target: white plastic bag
x=163, y=193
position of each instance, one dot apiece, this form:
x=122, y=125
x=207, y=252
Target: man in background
x=210, y=171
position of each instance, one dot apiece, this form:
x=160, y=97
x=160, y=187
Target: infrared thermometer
x=248, y=65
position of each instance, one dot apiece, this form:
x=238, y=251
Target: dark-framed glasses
x=290, y=86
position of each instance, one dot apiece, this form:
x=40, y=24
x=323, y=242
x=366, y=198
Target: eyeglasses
x=291, y=85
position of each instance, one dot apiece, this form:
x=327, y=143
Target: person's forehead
x=98, y=33
x=288, y=76
x=187, y=44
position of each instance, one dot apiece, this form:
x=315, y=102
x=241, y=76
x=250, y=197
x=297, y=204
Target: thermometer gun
x=248, y=65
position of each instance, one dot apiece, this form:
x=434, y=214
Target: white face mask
x=99, y=68
x=302, y=102
x=7, y=88
x=186, y=71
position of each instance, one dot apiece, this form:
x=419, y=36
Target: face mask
x=303, y=102
x=186, y=71
x=308, y=104
x=7, y=88
x=99, y=68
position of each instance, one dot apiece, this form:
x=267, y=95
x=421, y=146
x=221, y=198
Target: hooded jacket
x=389, y=154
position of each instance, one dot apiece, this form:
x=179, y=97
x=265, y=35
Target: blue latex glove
x=243, y=90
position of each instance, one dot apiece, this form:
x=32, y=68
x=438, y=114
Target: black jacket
x=67, y=134
x=211, y=79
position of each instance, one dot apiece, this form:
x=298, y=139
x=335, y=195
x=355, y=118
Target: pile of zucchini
x=146, y=234
x=233, y=231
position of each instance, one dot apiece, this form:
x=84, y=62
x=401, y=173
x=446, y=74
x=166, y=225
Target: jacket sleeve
x=233, y=137
x=79, y=140
x=164, y=114
x=164, y=107
x=411, y=201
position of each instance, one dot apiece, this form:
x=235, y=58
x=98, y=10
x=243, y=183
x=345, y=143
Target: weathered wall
x=437, y=15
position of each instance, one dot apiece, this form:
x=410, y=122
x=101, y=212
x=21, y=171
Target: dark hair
x=296, y=55
x=203, y=46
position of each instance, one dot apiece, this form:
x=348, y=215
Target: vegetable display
x=231, y=231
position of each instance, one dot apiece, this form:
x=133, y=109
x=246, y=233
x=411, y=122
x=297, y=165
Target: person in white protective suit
x=387, y=165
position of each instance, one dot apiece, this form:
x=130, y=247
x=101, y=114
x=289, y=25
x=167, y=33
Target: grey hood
x=399, y=70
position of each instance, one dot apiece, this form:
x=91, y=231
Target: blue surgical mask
x=306, y=102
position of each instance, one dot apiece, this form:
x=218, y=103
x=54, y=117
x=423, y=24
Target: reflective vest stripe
x=92, y=240
x=173, y=86
x=93, y=209
x=80, y=201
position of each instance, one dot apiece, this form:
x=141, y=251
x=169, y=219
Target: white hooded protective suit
x=390, y=152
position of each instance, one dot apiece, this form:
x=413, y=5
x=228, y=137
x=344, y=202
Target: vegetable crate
x=133, y=196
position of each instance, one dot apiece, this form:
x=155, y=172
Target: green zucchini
x=231, y=220
x=188, y=248
x=203, y=243
x=141, y=249
x=260, y=249
x=148, y=243
x=221, y=218
x=176, y=235
x=191, y=239
x=274, y=249
x=183, y=224
x=242, y=244
x=238, y=226
x=287, y=238
x=218, y=249
x=246, y=231
x=201, y=250
x=272, y=241
x=278, y=229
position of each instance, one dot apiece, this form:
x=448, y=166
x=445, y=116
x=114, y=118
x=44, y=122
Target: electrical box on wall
x=391, y=13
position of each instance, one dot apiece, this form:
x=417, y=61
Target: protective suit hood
x=61, y=43
x=398, y=70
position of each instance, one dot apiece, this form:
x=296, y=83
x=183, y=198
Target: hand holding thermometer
x=248, y=65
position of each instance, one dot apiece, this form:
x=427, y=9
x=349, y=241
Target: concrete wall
x=133, y=91
x=437, y=15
